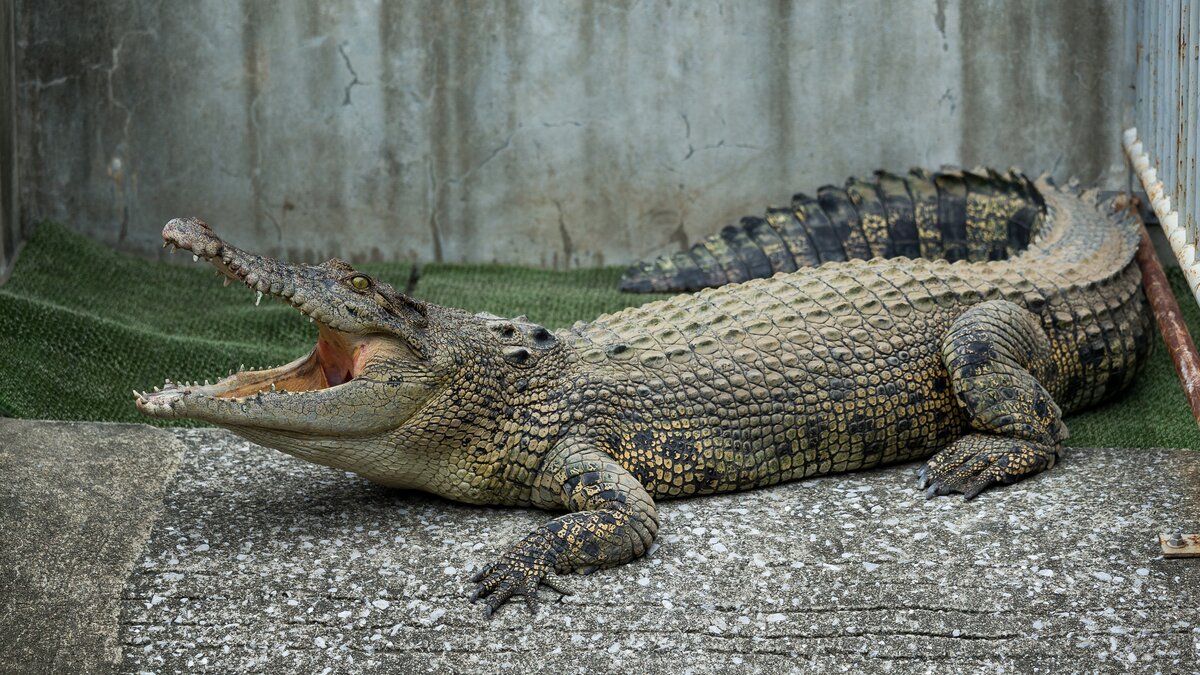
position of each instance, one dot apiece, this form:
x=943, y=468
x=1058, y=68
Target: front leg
x=612, y=521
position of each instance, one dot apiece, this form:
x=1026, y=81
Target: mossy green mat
x=81, y=326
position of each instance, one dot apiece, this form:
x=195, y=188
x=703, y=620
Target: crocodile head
x=374, y=364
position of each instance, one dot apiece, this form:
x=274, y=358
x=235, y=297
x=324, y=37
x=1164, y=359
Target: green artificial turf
x=82, y=325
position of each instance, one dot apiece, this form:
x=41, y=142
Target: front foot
x=976, y=462
x=519, y=572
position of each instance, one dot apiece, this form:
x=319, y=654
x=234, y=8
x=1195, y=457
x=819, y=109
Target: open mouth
x=336, y=360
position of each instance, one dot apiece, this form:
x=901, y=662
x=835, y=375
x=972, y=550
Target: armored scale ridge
x=840, y=365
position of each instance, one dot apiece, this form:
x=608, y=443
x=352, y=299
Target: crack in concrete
x=436, y=184
x=492, y=155
x=39, y=85
x=112, y=68
x=721, y=144
x=350, y=67
x=687, y=129
x=116, y=168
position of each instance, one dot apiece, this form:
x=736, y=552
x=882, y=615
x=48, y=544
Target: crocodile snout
x=192, y=234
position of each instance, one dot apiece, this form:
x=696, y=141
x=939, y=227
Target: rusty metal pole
x=1170, y=319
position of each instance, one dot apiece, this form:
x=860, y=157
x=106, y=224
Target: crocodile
x=970, y=366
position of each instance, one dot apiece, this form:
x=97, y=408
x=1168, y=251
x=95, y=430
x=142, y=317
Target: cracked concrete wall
x=545, y=133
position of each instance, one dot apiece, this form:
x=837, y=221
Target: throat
x=336, y=364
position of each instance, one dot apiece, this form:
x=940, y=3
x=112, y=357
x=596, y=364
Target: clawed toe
x=977, y=462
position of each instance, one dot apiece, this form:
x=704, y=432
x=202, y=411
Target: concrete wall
x=10, y=225
x=546, y=133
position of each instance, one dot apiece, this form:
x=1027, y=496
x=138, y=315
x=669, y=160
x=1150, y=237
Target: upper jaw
x=297, y=285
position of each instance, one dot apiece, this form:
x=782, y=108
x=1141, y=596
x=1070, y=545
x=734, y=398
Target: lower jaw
x=326, y=366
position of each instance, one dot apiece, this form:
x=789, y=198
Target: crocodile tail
x=1027, y=208
x=949, y=214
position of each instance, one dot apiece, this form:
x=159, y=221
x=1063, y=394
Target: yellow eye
x=361, y=283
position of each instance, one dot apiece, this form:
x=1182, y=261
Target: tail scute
x=949, y=214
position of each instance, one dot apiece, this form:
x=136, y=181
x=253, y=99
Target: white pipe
x=1184, y=250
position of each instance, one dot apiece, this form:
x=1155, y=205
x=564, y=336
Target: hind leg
x=998, y=356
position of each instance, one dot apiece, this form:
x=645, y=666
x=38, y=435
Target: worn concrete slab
x=263, y=563
x=77, y=501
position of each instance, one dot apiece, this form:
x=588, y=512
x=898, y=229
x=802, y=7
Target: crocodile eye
x=360, y=282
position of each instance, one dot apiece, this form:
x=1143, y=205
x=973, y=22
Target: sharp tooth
x=257, y=298
x=228, y=281
x=156, y=389
x=195, y=258
x=272, y=386
x=242, y=367
x=206, y=383
x=311, y=320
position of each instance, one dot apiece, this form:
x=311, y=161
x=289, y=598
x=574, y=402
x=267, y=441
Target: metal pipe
x=1170, y=319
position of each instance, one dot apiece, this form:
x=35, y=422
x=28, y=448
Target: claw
x=973, y=491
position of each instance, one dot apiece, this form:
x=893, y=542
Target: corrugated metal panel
x=1164, y=143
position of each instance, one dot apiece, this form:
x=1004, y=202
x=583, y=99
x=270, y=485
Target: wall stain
x=939, y=18
x=1067, y=100
x=253, y=72
x=568, y=246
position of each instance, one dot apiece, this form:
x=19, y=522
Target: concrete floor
x=139, y=550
